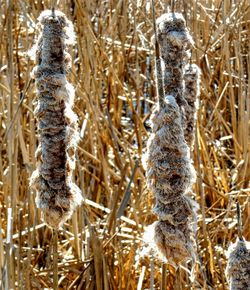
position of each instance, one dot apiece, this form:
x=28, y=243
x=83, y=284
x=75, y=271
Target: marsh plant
x=57, y=194
x=169, y=170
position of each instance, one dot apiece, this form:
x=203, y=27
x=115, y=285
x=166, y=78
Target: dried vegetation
x=113, y=74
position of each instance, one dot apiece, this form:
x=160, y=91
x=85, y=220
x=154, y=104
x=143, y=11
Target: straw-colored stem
x=55, y=259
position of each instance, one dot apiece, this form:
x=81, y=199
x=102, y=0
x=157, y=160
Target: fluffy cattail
x=238, y=267
x=57, y=195
x=191, y=93
x=174, y=41
x=169, y=170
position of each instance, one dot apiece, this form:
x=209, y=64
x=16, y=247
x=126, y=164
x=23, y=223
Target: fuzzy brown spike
x=191, y=93
x=174, y=41
x=170, y=175
x=57, y=195
x=238, y=267
x=169, y=170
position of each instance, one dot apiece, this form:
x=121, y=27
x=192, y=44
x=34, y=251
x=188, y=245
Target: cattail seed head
x=191, y=93
x=169, y=170
x=57, y=195
x=174, y=41
x=238, y=267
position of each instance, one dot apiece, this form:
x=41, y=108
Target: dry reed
x=115, y=94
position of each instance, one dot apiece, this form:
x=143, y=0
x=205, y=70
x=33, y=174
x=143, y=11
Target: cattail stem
x=172, y=6
x=55, y=260
x=239, y=222
x=163, y=276
x=158, y=69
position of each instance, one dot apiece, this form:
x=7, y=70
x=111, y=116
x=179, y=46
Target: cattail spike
x=169, y=170
x=238, y=266
x=57, y=195
x=191, y=93
x=174, y=41
x=238, y=254
x=170, y=175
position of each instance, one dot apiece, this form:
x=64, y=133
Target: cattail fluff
x=191, y=93
x=238, y=267
x=57, y=195
x=169, y=170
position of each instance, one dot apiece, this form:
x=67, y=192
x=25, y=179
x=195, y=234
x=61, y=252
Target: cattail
x=238, y=267
x=169, y=169
x=174, y=41
x=191, y=93
x=57, y=195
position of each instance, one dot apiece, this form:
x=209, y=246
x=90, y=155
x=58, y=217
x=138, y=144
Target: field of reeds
x=101, y=246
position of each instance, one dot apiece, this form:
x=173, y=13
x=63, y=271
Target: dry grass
x=99, y=248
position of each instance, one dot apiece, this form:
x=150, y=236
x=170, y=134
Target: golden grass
x=100, y=247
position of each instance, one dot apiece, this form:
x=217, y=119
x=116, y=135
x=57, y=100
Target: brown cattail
x=174, y=41
x=57, y=195
x=238, y=254
x=169, y=169
x=191, y=93
x=238, y=267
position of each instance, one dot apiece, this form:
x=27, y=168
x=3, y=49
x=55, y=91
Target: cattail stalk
x=57, y=195
x=169, y=170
